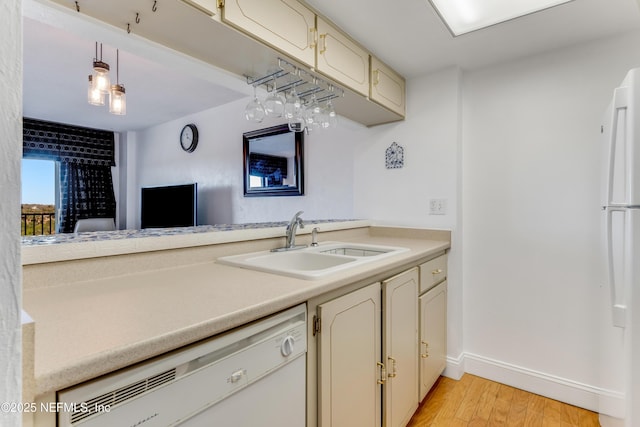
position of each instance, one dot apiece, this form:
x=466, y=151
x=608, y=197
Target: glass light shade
x=94, y=96
x=117, y=100
x=100, y=76
x=464, y=16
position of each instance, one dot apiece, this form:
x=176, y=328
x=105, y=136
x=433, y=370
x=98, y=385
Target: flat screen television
x=169, y=206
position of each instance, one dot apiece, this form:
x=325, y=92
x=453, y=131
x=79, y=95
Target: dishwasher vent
x=121, y=395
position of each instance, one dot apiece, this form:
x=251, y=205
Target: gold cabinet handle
x=383, y=373
x=313, y=40
x=437, y=271
x=426, y=350
x=323, y=43
x=376, y=77
x=393, y=363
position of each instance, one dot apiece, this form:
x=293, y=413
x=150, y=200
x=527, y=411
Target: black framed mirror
x=273, y=162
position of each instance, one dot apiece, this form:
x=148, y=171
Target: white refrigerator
x=621, y=217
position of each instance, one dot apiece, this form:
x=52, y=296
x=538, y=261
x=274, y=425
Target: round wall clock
x=189, y=138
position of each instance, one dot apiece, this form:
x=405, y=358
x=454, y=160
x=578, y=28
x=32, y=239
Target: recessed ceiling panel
x=464, y=16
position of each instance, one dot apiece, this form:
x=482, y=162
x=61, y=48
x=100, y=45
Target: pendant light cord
x=117, y=66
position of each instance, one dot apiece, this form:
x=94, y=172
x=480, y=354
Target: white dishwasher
x=251, y=376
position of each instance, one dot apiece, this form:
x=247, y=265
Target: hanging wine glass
x=274, y=103
x=297, y=122
x=254, y=112
x=323, y=118
x=292, y=105
x=313, y=110
x=331, y=116
x=313, y=114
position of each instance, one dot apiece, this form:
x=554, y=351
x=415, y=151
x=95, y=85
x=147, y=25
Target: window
x=38, y=197
x=84, y=158
x=256, y=181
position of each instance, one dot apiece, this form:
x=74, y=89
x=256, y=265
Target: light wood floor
x=475, y=401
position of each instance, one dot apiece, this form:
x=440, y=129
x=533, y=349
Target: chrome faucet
x=291, y=230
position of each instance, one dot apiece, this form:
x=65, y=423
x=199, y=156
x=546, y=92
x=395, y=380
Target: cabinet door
x=210, y=7
x=433, y=336
x=387, y=87
x=349, y=349
x=400, y=347
x=286, y=25
x=342, y=59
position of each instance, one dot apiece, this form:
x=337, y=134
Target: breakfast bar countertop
x=95, y=326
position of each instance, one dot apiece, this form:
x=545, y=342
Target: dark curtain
x=67, y=143
x=86, y=191
x=86, y=156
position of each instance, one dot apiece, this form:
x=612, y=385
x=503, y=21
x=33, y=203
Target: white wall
x=430, y=137
x=11, y=153
x=533, y=303
x=216, y=165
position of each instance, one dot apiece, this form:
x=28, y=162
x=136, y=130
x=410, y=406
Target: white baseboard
x=607, y=421
x=595, y=399
x=455, y=367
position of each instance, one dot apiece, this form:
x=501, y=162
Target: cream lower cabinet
x=433, y=336
x=400, y=349
x=287, y=25
x=349, y=393
x=433, y=322
x=354, y=370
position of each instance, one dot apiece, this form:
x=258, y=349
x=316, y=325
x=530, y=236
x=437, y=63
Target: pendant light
x=117, y=96
x=100, y=76
x=94, y=96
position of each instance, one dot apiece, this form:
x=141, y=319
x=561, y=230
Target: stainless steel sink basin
x=313, y=262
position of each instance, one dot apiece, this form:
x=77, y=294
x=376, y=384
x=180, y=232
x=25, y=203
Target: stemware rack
x=289, y=77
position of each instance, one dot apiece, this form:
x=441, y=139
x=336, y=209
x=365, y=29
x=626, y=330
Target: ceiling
x=163, y=85
x=410, y=37
x=57, y=65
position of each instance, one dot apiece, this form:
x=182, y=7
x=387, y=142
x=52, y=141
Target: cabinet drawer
x=433, y=272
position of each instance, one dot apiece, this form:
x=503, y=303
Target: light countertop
x=71, y=246
x=88, y=328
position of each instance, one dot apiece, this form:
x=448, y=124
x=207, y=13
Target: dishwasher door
x=254, y=375
x=277, y=400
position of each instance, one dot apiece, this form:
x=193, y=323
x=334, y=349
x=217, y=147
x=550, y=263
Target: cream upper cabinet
x=387, y=87
x=210, y=7
x=341, y=59
x=349, y=351
x=286, y=25
x=400, y=347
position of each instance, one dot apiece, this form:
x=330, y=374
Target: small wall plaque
x=394, y=156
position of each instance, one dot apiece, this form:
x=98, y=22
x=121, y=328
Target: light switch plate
x=437, y=206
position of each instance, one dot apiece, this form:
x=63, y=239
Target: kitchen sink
x=354, y=251
x=304, y=261
x=313, y=262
